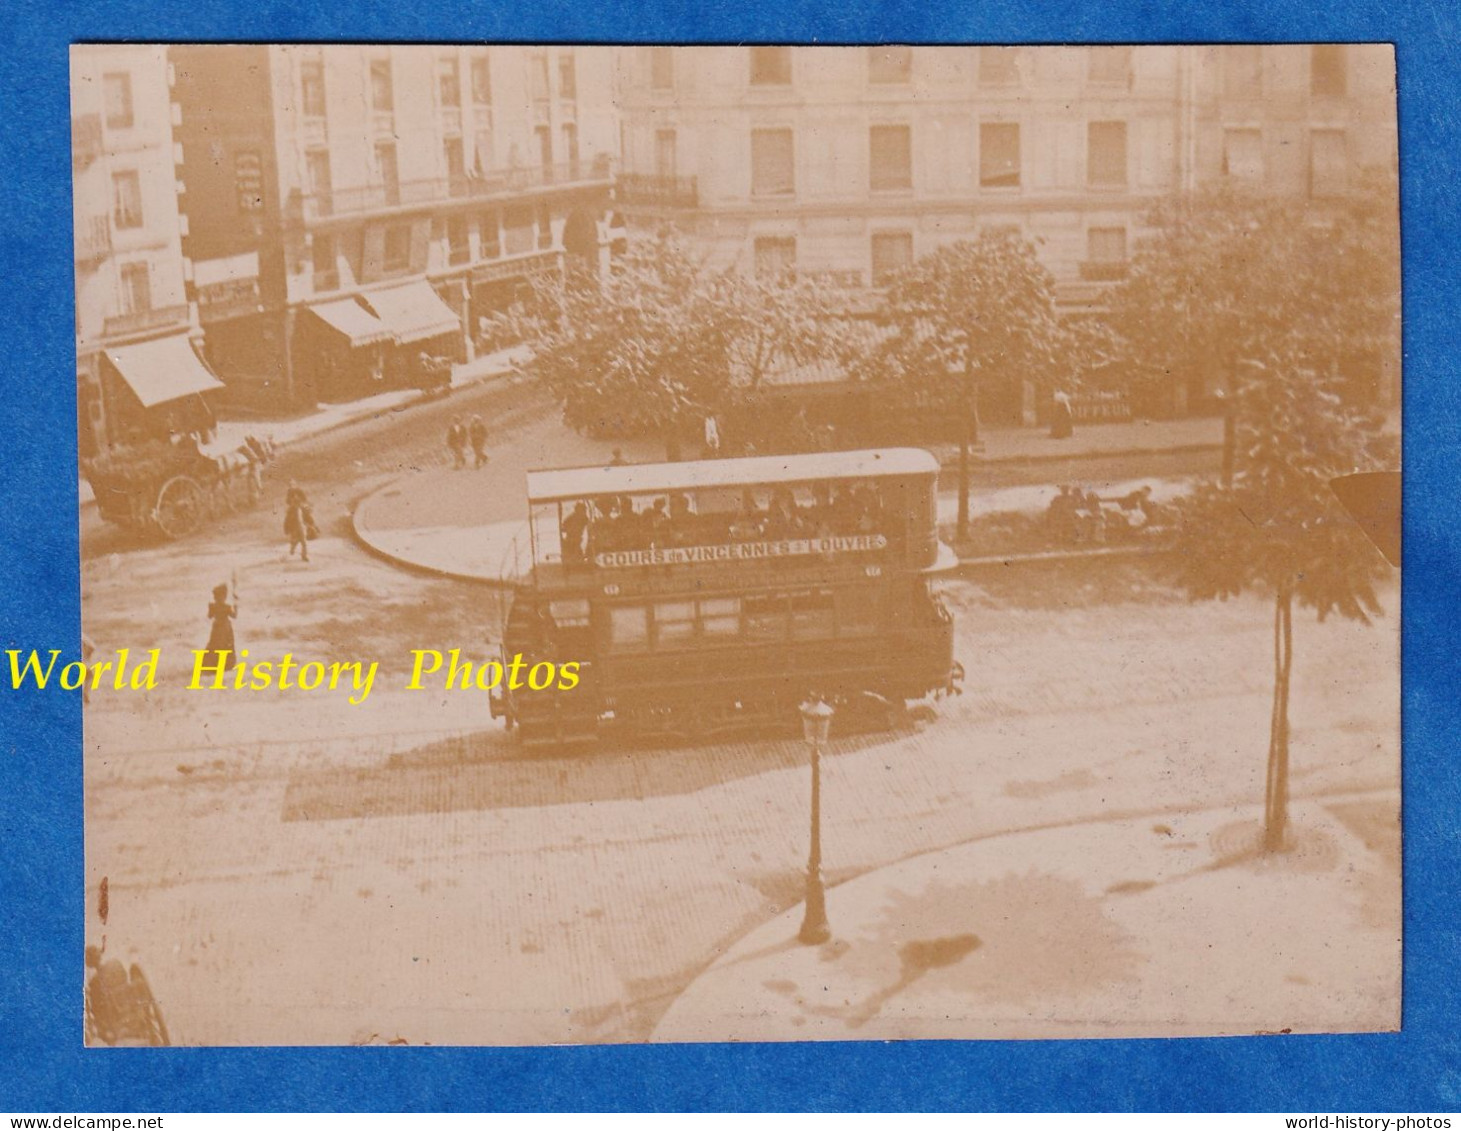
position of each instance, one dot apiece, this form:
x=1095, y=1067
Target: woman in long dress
x=220, y=639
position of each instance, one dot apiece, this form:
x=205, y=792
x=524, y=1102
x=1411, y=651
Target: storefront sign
x=741, y=551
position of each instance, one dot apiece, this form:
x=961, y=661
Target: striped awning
x=350, y=318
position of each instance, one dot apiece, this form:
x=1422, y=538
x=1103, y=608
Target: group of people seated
x=613, y=523
x=1079, y=516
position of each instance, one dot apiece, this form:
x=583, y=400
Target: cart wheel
x=180, y=507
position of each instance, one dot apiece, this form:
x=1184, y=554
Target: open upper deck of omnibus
x=772, y=511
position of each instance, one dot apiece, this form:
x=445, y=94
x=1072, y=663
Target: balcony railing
x=119, y=325
x=423, y=193
x=658, y=191
x=93, y=238
x=1103, y=270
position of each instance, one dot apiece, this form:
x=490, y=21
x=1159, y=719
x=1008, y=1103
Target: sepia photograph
x=629, y=543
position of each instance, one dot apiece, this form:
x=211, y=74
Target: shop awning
x=413, y=312
x=162, y=370
x=348, y=317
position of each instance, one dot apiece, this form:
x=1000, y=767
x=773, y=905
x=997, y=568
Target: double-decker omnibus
x=706, y=596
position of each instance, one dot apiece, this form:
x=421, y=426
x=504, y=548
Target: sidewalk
x=327, y=417
x=1012, y=445
x=1144, y=927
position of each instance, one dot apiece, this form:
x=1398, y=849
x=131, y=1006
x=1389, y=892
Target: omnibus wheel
x=181, y=505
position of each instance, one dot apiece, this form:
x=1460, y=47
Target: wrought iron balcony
x=658, y=191
x=498, y=184
x=119, y=325
x=1103, y=270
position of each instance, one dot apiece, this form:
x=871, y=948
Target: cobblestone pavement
x=288, y=868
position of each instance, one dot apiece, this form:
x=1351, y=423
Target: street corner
x=424, y=521
x=1117, y=929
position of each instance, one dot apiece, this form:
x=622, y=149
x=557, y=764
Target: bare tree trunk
x=1276, y=800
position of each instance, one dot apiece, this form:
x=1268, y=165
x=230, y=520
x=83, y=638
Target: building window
x=1105, y=254
x=317, y=177
x=772, y=163
x=538, y=77
x=390, y=174
x=1242, y=70
x=1328, y=163
x=449, y=80
x=889, y=64
x=666, y=159
x=775, y=257
x=890, y=151
x=126, y=199
x=1106, y=154
x=312, y=89
x=770, y=66
x=482, y=152
x=382, y=93
x=567, y=75
x=482, y=80
x=1110, y=66
x=544, y=134
x=458, y=240
x=398, y=248
x=136, y=288
x=322, y=256
x=570, y=148
x=489, y=237
x=117, y=98
x=999, y=155
x=999, y=66
x=519, y=234
x=453, y=150
x=545, y=228
x=1243, y=155
x=892, y=252
x=1327, y=77
x=661, y=68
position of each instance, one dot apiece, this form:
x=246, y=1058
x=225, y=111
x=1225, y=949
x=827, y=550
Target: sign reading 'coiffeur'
x=741, y=551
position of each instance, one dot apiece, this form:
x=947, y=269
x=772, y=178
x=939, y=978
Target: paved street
x=318, y=872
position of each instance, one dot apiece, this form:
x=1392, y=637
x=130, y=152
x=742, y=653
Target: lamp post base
x=815, y=928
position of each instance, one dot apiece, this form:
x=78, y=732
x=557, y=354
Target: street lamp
x=816, y=722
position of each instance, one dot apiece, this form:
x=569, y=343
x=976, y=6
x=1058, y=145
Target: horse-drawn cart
x=170, y=488
x=163, y=471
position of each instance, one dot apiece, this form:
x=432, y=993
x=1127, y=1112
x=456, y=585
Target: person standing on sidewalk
x=477, y=434
x=1062, y=418
x=456, y=440
x=221, y=644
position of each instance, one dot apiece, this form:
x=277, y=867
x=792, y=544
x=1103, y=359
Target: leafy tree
x=660, y=340
x=1279, y=303
x=960, y=316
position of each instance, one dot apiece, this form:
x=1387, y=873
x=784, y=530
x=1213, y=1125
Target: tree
x=661, y=339
x=966, y=313
x=1278, y=303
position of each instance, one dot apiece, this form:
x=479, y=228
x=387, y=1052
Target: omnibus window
x=569, y=614
x=674, y=622
x=811, y=615
x=766, y=618
x=720, y=617
x=629, y=628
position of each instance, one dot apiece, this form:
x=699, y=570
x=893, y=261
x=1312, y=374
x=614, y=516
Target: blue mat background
x=43, y=1066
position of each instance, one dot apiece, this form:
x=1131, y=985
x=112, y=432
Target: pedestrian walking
x=712, y=437
x=299, y=521
x=221, y=645
x=477, y=434
x=1062, y=418
x=456, y=440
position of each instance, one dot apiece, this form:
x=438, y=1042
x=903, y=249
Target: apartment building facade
x=352, y=210
x=849, y=163
x=133, y=319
